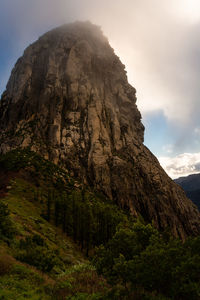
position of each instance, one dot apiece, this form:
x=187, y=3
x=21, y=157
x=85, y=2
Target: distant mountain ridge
x=191, y=186
x=189, y=183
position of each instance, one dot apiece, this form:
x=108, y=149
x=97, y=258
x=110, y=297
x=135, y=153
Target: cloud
x=158, y=41
x=197, y=131
x=181, y=165
x=155, y=39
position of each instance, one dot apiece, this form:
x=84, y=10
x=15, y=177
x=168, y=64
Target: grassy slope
x=22, y=174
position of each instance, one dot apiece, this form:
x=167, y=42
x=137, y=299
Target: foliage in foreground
x=138, y=257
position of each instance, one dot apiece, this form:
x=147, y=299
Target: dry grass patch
x=6, y=264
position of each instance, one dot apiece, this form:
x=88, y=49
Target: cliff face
x=68, y=98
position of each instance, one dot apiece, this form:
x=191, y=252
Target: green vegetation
x=33, y=202
x=138, y=258
x=82, y=215
x=88, y=220
x=21, y=282
x=41, y=169
x=50, y=225
x=34, y=251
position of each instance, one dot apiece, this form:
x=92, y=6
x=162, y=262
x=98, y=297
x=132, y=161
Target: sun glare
x=190, y=9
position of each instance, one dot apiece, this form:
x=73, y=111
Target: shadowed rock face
x=69, y=99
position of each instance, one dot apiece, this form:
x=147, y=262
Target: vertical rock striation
x=69, y=99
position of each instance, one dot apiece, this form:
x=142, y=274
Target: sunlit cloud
x=197, y=131
x=189, y=10
x=181, y=165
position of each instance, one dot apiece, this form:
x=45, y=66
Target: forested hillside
x=62, y=240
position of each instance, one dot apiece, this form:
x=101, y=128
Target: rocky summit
x=68, y=99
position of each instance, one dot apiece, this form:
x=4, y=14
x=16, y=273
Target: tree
x=138, y=257
x=6, y=225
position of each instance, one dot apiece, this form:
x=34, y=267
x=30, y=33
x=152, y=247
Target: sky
x=158, y=41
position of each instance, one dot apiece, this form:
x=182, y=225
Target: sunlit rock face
x=68, y=98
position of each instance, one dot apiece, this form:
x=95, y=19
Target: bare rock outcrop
x=68, y=98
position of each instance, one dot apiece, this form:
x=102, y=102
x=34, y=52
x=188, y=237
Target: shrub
x=6, y=226
x=34, y=251
x=80, y=280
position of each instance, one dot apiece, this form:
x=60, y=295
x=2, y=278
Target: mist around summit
x=158, y=43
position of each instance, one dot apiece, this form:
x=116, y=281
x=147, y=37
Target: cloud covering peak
x=158, y=41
